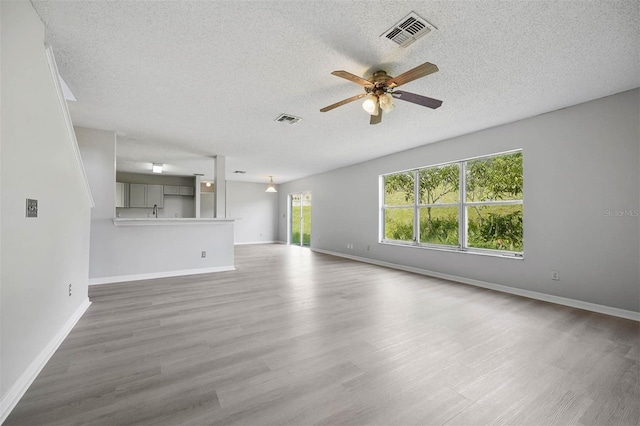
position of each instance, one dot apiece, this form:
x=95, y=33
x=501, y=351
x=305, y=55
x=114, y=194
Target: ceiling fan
x=379, y=90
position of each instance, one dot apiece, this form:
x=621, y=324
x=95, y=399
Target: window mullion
x=416, y=210
x=462, y=209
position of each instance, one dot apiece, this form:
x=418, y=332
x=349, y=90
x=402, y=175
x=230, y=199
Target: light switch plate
x=32, y=208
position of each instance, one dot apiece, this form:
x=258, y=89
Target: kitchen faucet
x=155, y=210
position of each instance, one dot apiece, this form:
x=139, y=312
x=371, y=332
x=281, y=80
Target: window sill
x=454, y=250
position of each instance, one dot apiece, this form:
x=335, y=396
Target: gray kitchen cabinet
x=155, y=196
x=186, y=190
x=137, y=195
x=171, y=190
x=141, y=195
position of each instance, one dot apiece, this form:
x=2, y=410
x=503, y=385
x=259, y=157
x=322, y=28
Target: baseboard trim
x=254, y=243
x=18, y=389
x=594, y=307
x=154, y=275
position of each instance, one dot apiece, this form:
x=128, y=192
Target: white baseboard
x=153, y=275
x=594, y=307
x=18, y=389
x=255, y=242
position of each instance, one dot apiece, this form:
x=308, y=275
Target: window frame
x=462, y=205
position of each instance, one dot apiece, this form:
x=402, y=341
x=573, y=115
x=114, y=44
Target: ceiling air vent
x=408, y=30
x=290, y=119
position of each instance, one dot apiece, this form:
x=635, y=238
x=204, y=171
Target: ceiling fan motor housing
x=379, y=80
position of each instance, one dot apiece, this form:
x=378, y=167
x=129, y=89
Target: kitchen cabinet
x=171, y=190
x=178, y=190
x=155, y=196
x=122, y=194
x=141, y=195
x=186, y=190
x=137, y=195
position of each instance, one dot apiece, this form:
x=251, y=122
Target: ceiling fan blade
x=342, y=102
x=413, y=74
x=417, y=99
x=376, y=119
x=352, y=77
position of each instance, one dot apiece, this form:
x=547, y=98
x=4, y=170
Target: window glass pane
x=439, y=225
x=295, y=219
x=306, y=219
x=495, y=178
x=398, y=189
x=398, y=224
x=440, y=184
x=495, y=227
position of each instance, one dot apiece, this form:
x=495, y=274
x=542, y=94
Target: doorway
x=300, y=219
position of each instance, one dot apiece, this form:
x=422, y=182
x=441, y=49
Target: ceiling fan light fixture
x=386, y=102
x=271, y=187
x=370, y=104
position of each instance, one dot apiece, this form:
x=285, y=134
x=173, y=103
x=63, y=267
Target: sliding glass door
x=300, y=219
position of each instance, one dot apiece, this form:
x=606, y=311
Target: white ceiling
x=182, y=81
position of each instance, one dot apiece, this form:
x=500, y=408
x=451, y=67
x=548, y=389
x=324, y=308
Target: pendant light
x=271, y=187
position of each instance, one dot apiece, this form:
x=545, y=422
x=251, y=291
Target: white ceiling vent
x=408, y=30
x=287, y=118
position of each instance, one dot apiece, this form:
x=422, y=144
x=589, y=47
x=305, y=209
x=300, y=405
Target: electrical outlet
x=555, y=275
x=32, y=208
x=204, y=254
x=70, y=289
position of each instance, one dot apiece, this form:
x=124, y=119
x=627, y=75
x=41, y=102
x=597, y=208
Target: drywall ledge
x=25, y=380
x=608, y=310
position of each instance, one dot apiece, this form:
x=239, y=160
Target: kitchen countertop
x=166, y=221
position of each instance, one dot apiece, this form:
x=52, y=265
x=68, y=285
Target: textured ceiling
x=182, y=81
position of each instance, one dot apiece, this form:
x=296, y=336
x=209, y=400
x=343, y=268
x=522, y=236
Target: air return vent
x=289, y=119
x=408, y=30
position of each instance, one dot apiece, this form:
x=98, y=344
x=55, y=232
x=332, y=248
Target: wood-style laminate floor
x=295, y=337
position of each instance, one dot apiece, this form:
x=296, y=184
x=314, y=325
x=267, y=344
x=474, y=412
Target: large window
x=470, y=205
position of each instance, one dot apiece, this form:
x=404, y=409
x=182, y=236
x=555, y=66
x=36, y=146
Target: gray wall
x=256, y=211
x=40, y=256
x=98, y=149
x=579, y=163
